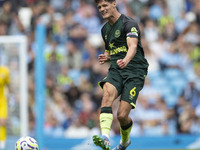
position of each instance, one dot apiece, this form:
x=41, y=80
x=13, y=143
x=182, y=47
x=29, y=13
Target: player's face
x=106, y=9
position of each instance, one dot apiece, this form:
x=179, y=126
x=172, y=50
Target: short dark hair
x=110, y=1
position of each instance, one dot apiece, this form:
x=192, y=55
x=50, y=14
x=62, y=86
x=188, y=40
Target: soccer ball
x=26, y=143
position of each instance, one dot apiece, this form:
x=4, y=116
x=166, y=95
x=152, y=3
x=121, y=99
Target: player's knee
x=108, y=98
x=109, y=91
x=122, y=116
x=107, y=94
x=106, y=101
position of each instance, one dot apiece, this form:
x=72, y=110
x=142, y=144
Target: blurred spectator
x=191, y=94
x=155, y=11
x=52, y=126
x=153, y=59
x=53, y=66
x=73, y=95
x=86, y=16
x=6, y=13
x=186, y=119
x=58, y=5
x=87, y=113
x=182, y=23
x=78, y=34
x=3, y=28
x=77, y=129
x=136, y=6
x=175, y=7
x=165, y=19
x=73, y=57
x=63, y=80
x=151, y=32
x=172, y=57
x=191, y=34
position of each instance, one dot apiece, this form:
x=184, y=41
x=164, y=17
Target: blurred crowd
x=169, y=103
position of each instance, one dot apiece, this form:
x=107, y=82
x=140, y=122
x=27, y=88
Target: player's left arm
x=131, y=30
x=132, y=48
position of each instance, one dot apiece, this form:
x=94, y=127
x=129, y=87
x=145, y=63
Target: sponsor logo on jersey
x=111, y=45
x=134, y=30
x=118, y=50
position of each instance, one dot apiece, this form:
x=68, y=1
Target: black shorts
x=127, y=87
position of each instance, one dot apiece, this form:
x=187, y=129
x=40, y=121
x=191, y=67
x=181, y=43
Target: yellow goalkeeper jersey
x=4, y=81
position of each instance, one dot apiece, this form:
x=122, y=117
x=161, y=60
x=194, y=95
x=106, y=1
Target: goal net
x=13, y=55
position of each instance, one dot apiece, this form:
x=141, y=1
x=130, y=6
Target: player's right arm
x=104, y=57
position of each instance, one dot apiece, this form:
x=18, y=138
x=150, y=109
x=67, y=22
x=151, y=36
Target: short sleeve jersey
x=115, y=38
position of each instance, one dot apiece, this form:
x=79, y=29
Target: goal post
x=21, y=41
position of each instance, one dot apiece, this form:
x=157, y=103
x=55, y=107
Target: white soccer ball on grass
x=26, y=143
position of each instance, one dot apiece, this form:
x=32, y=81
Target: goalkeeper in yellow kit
x=4, y=81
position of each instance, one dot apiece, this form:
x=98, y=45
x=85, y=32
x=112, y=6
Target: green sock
x=105, y=123
x=125, y=132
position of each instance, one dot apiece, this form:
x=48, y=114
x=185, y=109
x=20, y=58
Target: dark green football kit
x=129, y=80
